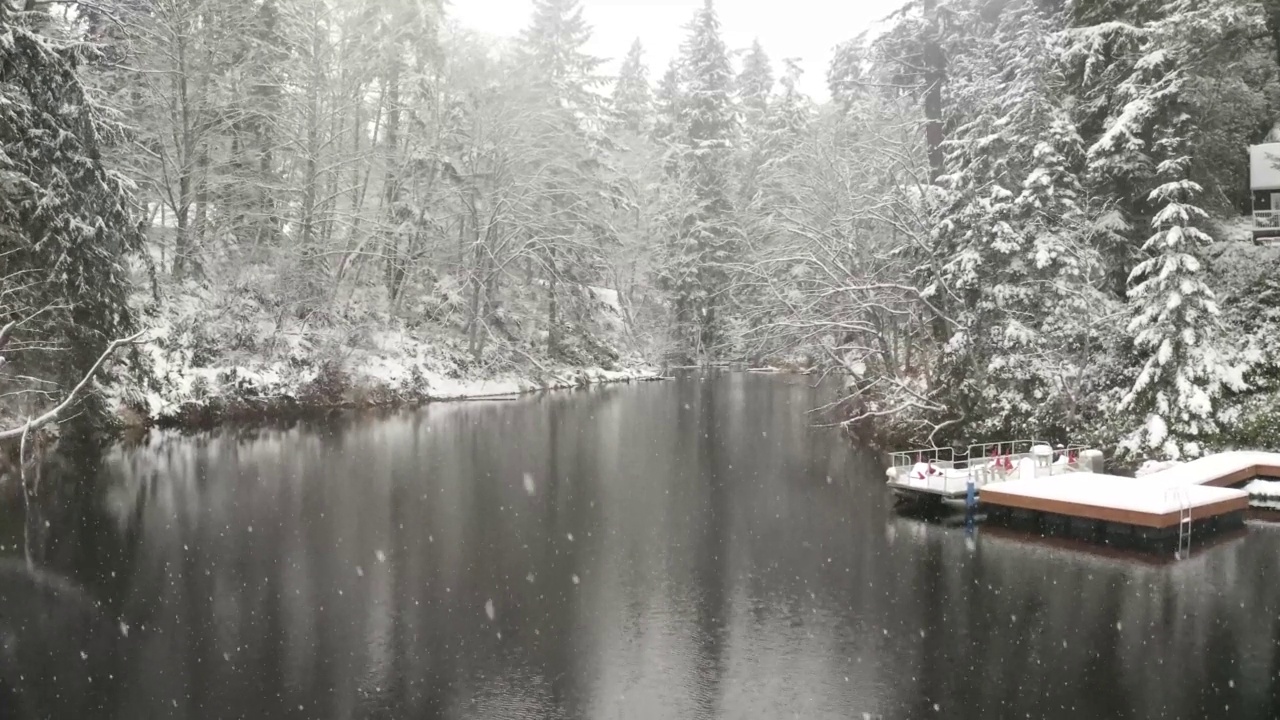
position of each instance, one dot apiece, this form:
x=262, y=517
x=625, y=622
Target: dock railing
x=1003, y=460
x=985, y=463
x=943, y=457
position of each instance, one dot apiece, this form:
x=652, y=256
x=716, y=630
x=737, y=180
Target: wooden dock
x=1159, y=507
x=1025, y=486
x=1113, y=499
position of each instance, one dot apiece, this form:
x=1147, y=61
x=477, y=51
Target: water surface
x=688, y=549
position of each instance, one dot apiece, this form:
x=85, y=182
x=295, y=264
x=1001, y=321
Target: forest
x=1012, y=217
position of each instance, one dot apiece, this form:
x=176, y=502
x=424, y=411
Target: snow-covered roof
x=1264, y=166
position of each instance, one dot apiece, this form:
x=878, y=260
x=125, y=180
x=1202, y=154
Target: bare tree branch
x=52, y=414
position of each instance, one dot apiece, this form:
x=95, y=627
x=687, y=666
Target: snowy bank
x=213, y=356
x=185, y=395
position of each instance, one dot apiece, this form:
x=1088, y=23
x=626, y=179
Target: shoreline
x=210, y=413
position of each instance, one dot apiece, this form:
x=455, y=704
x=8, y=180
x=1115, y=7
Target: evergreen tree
x=668, y=103
x=1182, y=375
x=1015, y=238
x=789, y=117
x=845, y=75
x=552, y=47
x=632, y=96
x=754, y=93
x=68, y=224
x=568, y=152
x=755, y=86
x=1136, y=67
x=1147, y=141
x=696, y=271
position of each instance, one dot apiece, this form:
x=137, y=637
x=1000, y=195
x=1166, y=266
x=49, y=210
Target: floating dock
x=1159, y=508
x=945, y=473
x=1037, y=491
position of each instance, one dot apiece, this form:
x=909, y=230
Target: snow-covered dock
x=1129, y=501
x=1027, y=483
x=1161, y=506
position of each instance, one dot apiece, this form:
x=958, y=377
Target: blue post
x=970, y=505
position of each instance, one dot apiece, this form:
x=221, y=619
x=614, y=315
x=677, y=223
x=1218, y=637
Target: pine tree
x=754, y=94
x=668, y=113
x=1146, y=140
x=698, y=257
x=786, y=124
x=632, y=96
x=1182, y=375
x=1015, y=233
x=845, y=74
x=562, y=77
x=68, y=224
x=755, y=85
x=1133, y=64
x=790, y=116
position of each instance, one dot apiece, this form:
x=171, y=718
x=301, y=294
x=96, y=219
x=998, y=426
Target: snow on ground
x=409, y=372
x=208, y=349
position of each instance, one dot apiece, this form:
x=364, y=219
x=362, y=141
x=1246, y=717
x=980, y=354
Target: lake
x=684, y=549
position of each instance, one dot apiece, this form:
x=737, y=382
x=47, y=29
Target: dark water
x=690, y=549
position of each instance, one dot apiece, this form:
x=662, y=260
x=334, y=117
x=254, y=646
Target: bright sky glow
x=805, y=29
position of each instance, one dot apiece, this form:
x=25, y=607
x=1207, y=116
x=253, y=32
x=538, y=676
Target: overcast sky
x=805, y=29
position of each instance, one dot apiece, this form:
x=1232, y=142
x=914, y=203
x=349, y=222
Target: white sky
x=805, y=29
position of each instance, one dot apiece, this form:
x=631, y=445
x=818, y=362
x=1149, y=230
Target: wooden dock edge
x=1242, y=475
x=993, y=496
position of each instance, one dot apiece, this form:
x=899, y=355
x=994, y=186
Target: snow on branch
x=54, y=413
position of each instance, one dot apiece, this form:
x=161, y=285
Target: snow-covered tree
x=754, y=91
x=632, y=96
x=1174, y=327
x=786, y=124
x=1143, y=79
x=68, y=223
x=667, y=104
x=1138, y=67
x=1019, y=272
x=696, y=270
x=755, y=85
x=847, y=73
x=562, y=78
x=553, y=45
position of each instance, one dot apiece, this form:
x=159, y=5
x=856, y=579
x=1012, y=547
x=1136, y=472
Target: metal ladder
x=1183, y=499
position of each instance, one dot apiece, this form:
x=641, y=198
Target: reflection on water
x=688, y=549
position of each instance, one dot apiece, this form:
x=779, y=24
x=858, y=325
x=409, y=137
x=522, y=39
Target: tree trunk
x=475, y=340
x=185, y=149
x=201, y=220
x=390, y=188
x=553, y=309
x=311, y=174
x=935, y=77
x=473, y=328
